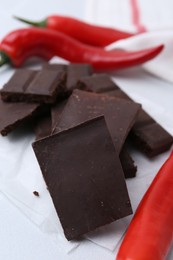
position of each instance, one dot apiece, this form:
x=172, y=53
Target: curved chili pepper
x=24, y=43
x=150, y=233
x=89, y=34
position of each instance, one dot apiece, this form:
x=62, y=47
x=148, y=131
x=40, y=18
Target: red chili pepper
x=150, y=233
x=22, y=44
x=89, y=34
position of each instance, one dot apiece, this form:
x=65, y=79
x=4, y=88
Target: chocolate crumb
x=36, y=193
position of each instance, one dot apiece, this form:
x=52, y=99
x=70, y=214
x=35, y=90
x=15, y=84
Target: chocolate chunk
x=36, y=193
x=97, y=83
x=17, y=84
x=55, y=66
x=56, y=112
x=13, y=114
x=43, y=88
x=152, y=139
x=119, y=114
x=75, y=72
x=142, y=140
x=88, y=189
x=43, y=126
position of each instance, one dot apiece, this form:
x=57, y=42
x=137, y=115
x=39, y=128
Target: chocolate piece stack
x=82, y=122
x=146, y=133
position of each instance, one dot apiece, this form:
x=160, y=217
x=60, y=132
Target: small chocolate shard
x=36, y=193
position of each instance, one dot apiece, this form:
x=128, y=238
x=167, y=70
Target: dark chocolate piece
x=56, y=112
x=13, y=114
x=152, y=139
x=17, y=84
x=55, y=66
x=75, y=72
x=119, y=114
x=43, y=88
x=143, y=120
x=36, y=193
x=97, y=83
x=43, y=126
x=88, y=189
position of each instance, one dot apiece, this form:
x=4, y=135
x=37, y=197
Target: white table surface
x=20, y=239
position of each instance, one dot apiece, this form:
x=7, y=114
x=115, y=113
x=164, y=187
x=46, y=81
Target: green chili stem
x=37, y=24
x=4, y=59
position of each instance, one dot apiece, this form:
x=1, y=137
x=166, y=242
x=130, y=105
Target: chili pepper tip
x=36, y=24
x=4, y=59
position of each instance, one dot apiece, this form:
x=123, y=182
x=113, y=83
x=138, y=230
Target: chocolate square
x=84, y=177
x=42, y=86
x=14, y=114
x=17, y=84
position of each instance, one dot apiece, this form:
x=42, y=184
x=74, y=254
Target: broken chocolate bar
x=13, y=114
x=150, y=144
x=88, y=189
x=75, y=72
x=151, y=139
x=42, y=86
x=119, y=114
x=17, y=84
